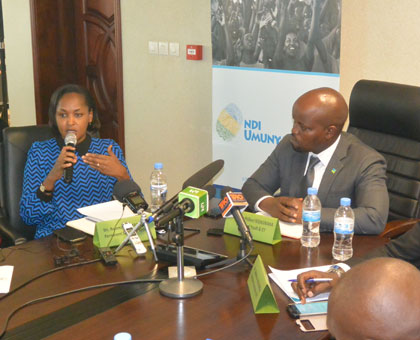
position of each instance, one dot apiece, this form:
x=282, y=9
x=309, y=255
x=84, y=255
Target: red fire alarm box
x=194, y=52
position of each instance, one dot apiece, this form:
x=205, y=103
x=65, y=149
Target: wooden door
x=79, y=41
x=98, y=40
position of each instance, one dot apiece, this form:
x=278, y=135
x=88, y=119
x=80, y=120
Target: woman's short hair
x=93, y=127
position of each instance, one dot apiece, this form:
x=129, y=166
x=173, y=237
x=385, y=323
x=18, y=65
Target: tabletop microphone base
x=185, y=288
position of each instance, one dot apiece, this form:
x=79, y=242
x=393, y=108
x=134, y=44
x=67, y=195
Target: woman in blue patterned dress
x=48, y=202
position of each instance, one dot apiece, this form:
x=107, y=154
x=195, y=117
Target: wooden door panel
x=79, y=41
x=97, y=37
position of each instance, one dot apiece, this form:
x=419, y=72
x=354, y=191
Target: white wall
x=168, y=100
x=19, y=67
x=380, y=40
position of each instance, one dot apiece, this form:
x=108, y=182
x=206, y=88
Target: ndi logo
x=253, y=133
x=229, y=122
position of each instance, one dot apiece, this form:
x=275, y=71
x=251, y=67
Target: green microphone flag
x=200, y=199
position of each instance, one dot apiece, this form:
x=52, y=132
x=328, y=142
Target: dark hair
x=93, y=127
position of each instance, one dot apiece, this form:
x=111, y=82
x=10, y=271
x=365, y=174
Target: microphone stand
x=180, y=287
x=149, y=234
x=241, y=254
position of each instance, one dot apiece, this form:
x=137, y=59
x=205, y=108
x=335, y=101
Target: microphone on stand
x=198, y=180
x=232, y=205
x=129, y=192
x=192, y=202
x=214, y=210
x=70, y=140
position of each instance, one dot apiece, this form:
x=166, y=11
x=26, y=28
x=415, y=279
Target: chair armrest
x=10, y=236
x=395, y=228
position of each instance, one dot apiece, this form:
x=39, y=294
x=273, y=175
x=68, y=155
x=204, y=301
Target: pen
x=313, y=280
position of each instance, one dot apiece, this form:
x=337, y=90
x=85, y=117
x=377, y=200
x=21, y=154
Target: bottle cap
x=122, y=336
x=345, y=201
x=312, y=191
x=158, y=166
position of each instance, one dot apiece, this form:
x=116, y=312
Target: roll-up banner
x=266, y=53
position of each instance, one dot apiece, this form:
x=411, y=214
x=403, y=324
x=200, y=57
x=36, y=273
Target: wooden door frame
x=119, y=66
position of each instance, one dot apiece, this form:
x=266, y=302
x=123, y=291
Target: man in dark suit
x=345, y=168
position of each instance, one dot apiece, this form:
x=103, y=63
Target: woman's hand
x=107, y=165
x=66, y=159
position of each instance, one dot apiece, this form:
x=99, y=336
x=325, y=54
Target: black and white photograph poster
x=265, y=54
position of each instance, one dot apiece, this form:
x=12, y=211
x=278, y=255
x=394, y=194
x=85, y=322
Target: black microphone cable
x=14, y=290
x=251, y=249
x=79, y=290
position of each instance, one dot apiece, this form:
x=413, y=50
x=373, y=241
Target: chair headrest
x=22, y=137
x=386, y=107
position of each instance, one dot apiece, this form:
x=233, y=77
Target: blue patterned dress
x=88, y=186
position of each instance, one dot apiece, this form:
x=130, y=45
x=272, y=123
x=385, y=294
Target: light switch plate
x=163, y=47
x=174, y=49
x=153, y=47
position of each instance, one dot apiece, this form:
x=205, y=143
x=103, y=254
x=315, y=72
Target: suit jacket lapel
x=333, y=168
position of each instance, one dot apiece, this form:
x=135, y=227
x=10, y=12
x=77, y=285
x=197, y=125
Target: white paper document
x=292, y=230
x=282, y=277
x=83, y=224
x=112, y=210
x=6, y=273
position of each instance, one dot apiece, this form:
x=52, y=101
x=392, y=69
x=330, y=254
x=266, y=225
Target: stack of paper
x=6, y=273
x=292, y=230
x=112, y=210
x=282, y=277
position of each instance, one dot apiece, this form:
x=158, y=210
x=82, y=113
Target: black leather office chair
x=3, y=125
x=16, y=143
x=386, y=116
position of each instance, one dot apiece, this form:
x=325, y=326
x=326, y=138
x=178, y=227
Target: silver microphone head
x=70, y=138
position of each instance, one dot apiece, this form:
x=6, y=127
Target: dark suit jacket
x=355, y=171
x=406, y=247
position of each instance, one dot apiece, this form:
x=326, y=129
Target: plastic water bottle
x=122, y=336
x=158, y=187
x=311, y=219
x=343, y=231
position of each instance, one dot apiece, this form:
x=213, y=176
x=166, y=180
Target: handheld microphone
x=199, y=180
x=129, y=192
x=70, y=140
x=192, y=202
x=232, y=205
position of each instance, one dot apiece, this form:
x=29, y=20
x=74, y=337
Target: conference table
x=223, y=310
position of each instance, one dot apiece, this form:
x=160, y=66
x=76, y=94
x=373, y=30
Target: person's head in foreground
x=377, y=299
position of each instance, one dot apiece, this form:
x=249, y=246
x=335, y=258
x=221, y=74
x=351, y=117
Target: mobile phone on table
x=215, y=231
x=298, y=310
x=69, y=234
